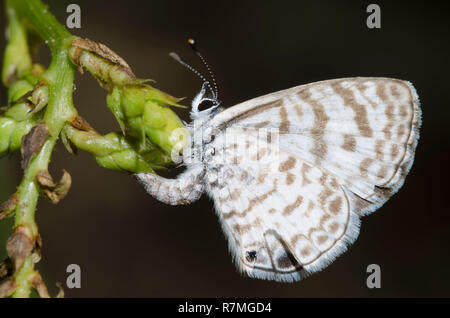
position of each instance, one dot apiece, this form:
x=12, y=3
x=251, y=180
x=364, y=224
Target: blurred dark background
x=130, y=245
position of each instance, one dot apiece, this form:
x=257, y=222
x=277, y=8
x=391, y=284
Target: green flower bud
x=16, y=59
x=117, y=152
x=19, y=112
x=126, y=160
x=22, y=128
x=11, y=133
x=133, y=101
x=107, y=73
x=15, y=123
x=146, y=112
x=113, y=100
x=143, y=108
x=19, y=89
x=7, y=126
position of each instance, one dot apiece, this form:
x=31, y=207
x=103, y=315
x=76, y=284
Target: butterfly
x=291, y=173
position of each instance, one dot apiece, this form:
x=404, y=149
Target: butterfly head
x=199, y=112
x=203, y=106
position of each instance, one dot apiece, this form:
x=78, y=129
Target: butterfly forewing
x=363, y=130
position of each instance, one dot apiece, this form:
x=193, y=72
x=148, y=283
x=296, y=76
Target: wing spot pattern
x=287, y=165
x=291, y=207
x=258, y=200
x=389, y=112
x=290, y=178
x=349, y=143
x=364, y=166
x=335, y=206
x=284, y=124
x=321, y=119
x=360, y=110
x=379, y=145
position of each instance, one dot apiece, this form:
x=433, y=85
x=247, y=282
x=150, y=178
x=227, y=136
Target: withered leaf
x=19, y=245
x=45, y=180
x=101, y=50
x=7, y=288
x=32, y=143
x=8, y=206
x=81, y=124
x=55, y=192
x=38, y=283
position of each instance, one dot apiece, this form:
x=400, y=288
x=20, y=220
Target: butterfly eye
x=251, y=256
x=205, y=104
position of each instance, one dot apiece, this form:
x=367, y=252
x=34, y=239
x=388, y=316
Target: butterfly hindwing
x=284, y=218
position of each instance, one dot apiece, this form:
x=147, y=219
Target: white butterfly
x=292, y=172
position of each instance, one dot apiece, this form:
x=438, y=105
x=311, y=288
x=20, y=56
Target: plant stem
x=39, y=17
x=59, y=77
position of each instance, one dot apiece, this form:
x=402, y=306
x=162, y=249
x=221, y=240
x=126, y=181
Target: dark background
x=130, y=245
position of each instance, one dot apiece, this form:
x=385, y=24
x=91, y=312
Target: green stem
x=39, y=17
x=59, y=78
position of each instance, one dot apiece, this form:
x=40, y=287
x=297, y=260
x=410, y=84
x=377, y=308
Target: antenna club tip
x=175, y=56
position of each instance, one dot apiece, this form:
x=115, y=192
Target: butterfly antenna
x=177, y=58
x=194, y=48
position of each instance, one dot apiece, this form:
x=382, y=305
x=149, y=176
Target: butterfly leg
x=186, y=188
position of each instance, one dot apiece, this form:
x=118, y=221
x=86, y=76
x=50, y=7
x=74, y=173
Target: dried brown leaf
x=19, y=245
x=38, y=283
x=45, y=180
x=32, y=143
x=8, y=206
x=55, y=192
x=7, y=288
x=81, y=124
x=101, y=50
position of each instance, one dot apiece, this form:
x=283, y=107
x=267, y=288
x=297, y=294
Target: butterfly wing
x=284, y=218
x=343, y=148
x=364, y=131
